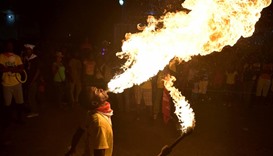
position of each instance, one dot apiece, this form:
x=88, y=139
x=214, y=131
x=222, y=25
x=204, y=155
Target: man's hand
x=16, y=69
x=166, y=150
x=75, y=140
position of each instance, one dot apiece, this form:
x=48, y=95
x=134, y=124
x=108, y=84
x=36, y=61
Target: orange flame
x=208, y=27
x=183, y=111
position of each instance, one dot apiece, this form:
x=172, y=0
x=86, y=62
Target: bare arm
x=75, y=140
x=15, y=69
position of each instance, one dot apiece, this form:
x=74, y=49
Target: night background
x=243, y=128
x=78, y=18
x=57, y=18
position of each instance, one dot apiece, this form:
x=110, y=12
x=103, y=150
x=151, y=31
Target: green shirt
x=60, y=75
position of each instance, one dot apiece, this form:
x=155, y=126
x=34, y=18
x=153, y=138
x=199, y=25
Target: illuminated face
x=99, y=94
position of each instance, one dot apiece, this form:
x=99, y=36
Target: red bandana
x=106, y=108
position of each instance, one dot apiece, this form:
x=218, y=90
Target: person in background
x=248, y=79
x=158, y=93
x=59, y=78
x=100, y=72
x=192, y=80
x=144, y=91
x=97, y=126
x=31, y=64
x=203, y=84
x=11, y=66
x=75, y=77
x=231, y=80
x=264, y=82
x=89, y=66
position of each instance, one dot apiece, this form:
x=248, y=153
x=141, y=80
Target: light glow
x=121, y=2
x=208, y=27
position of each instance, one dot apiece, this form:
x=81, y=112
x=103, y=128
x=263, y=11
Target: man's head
x=96, y=97
x=29, y=48
x=59, y=56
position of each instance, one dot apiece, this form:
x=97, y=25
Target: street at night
x=182, y=77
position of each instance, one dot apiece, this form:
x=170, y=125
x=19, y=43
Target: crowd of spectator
x=56, y=75
x=243, y=83
x=249, y=80
x=49, y=75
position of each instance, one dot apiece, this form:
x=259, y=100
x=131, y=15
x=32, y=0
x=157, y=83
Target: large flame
x=208, y=27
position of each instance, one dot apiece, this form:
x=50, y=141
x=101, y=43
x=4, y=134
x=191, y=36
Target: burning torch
x=167, y=149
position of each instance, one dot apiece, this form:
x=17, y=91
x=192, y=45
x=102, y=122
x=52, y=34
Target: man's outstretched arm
x=75, y=140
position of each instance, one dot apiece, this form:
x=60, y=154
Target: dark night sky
x=79, y=17
x=83, y=17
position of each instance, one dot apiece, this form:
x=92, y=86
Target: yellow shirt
x=99, y=133
x=10, y=60
x=231, y=77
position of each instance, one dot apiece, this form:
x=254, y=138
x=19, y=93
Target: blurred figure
x=97, y=126
x=144, y=91
x=11, y=66
x=230, y=86
x=264, y=82
x=194, y=84
x=158, y=93
x=203, y=84
x=75, y=78
x=89, y=66
x=100, y=72
x=59, y=78
x=191, y=81
x=32, y=67
x=249, y=77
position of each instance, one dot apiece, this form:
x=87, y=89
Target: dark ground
x=236, y=130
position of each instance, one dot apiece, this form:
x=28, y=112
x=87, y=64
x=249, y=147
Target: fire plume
x=208, y=27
